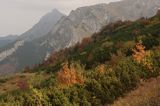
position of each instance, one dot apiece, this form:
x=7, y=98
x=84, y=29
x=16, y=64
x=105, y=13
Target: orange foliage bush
x=68, y=76
x=139, y=52
x=141, y=56
x=101, y=69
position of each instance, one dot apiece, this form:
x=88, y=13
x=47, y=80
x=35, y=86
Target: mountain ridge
x=45, y=24
x=99, y=70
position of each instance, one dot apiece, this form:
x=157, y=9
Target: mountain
x=69, y=30
x=99, y=71
x=43, y=27
x=7, y=39
x=45, y=24
x=85, y=21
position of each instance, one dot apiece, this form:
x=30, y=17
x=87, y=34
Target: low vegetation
x=144, y=95
x=96, y=71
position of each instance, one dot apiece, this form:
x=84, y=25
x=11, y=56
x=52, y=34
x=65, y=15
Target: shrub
x=150, y=42
x=68, y=76
x=128, y=73
x=139, y=53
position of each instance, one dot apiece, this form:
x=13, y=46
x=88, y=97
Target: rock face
x=10, y=51
x=80, y=23
x=21, y=47
x=84, y=21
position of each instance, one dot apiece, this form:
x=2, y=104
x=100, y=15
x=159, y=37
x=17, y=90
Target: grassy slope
x=147, y=94
x=114, y=38
x=9, y=84
x=111, y=47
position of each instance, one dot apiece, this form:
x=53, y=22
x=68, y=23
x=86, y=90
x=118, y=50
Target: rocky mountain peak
x=45, y=24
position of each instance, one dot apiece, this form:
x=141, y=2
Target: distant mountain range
x=56, y=31
x=7, y=39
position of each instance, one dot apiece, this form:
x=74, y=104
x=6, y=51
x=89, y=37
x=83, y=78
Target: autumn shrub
x=139, y=53
x=69, y=76
x=107, y=68
x=145, y=60
x=101, y=69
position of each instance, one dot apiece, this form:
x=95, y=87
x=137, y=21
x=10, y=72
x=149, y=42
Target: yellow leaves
x=147, y=61
x=37, y=93
x=101, y=69
x=139, y=52
x=37, y=97
x=141, y=56
x=68, y=76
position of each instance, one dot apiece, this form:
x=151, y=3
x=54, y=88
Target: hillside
x=43, y=27
x=96, y=71
x=7, y=40
x=144, y=95
x=22, y=48
x=49, y=35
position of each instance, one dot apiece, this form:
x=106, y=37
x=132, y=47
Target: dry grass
x=147, y=94
x=11, y=82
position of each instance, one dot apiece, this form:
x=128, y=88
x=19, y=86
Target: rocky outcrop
x=85, y=21
x=10, y=51
x=43, y=27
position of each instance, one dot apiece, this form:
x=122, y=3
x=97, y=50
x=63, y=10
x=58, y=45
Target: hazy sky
x=17, y=16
